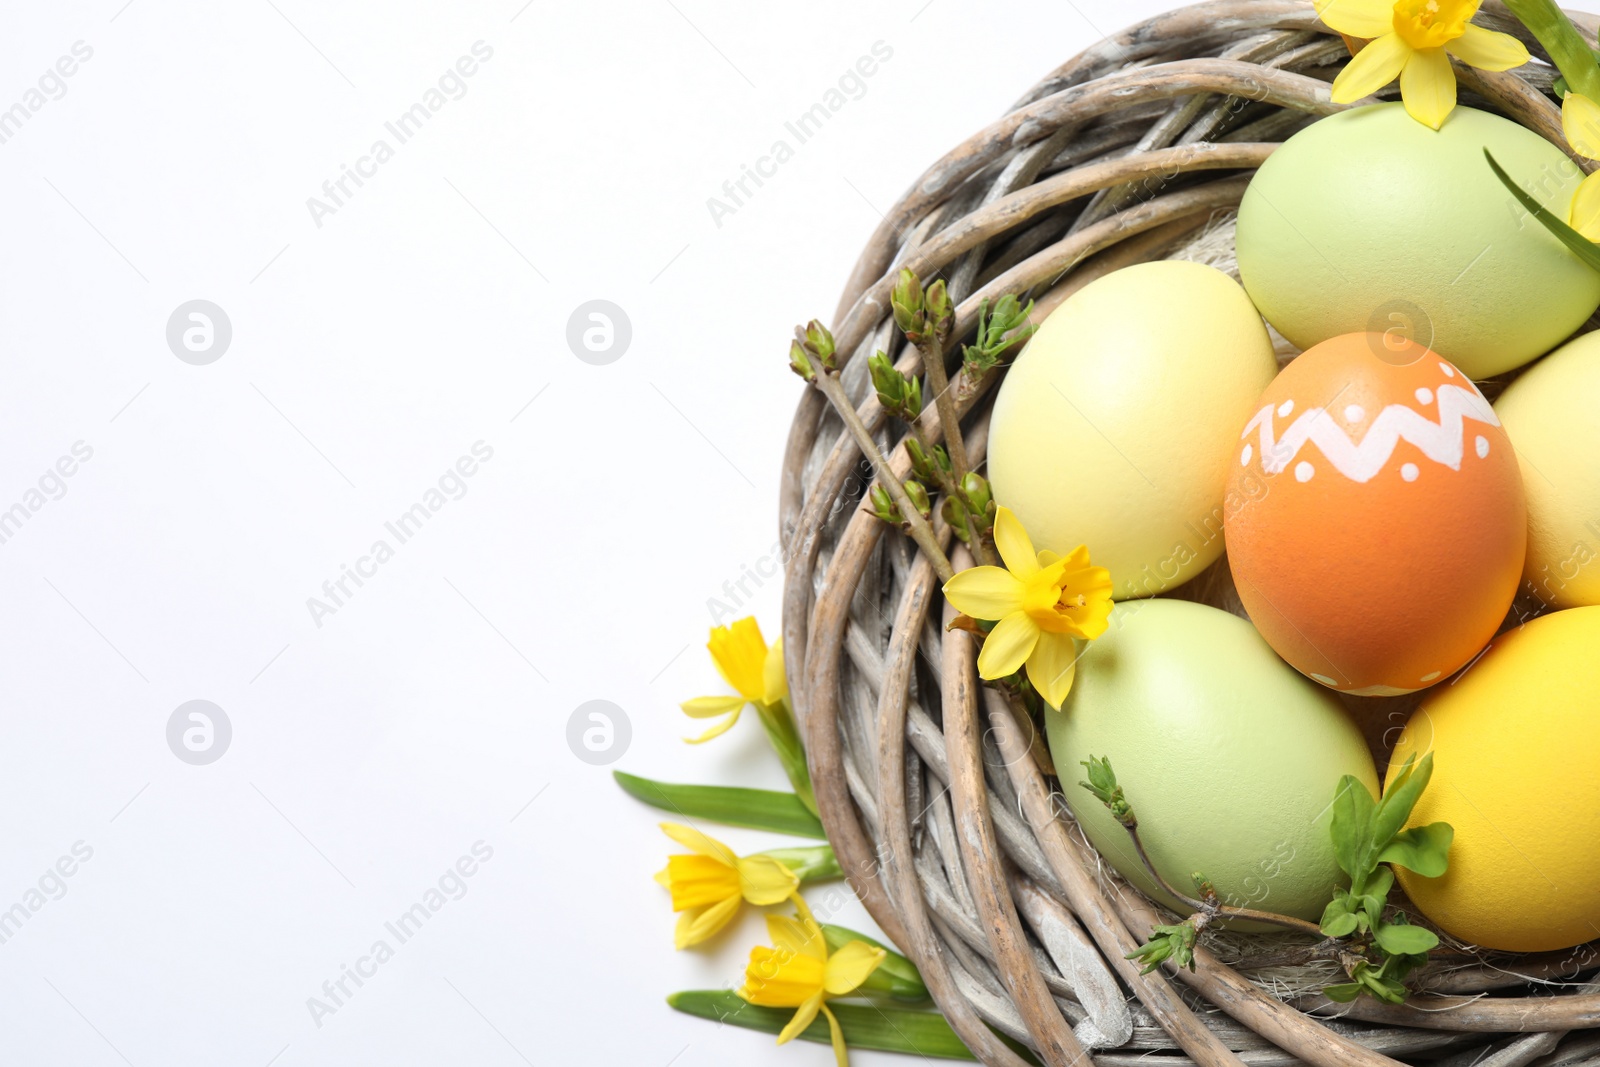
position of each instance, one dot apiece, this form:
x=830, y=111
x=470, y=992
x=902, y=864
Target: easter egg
x=1229, y=758
x=1516, y=743
x=1369, y=220
x=1383, y=530
x=1110, y=429
x=1549, y=414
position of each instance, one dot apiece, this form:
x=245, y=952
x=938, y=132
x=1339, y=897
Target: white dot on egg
x=1284, y=409
x=1482, y=445
x=1244, y=457
x=1353, y=413
x=1432, y=676
x=1409, y=472
x=1424, y=396
x=1303, y=471
x=1449, y=372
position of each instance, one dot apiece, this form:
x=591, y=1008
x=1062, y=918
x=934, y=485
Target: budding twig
x=927, y=318
x=1103, y=784
x=811, y=356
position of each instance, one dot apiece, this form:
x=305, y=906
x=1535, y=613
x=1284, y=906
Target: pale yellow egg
x=1115, y=426
x=1549, y=414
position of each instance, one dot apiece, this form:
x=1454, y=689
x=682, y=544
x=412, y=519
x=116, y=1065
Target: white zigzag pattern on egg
x=1443, y=442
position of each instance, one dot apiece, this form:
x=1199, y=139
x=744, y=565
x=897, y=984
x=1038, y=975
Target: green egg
x=1229, y=757
x=1369, y=220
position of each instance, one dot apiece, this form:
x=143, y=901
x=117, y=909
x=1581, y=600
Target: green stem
x=784, y=736
x=815, y=863
x=1550, y=25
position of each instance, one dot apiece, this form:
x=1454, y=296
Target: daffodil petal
x=1358, y=18
x=700, y=881
x=795, y=938
x=850, y=966
x=1093, y=585
x=775, y=682
x=697, y=926
x=1585, y=212
x=764, y=880
x=1016, y=549
x=1052, y=667
x=707, y=707
x=1007, y=647
x=1580, y=121
x=1428, y=86
x=740, y=653
x=699, y=843
x=778, y=979
x=841, y=1054
x=663, y=879
x=718, y=730
x=1371, y=69
x=802, y=1019
x=1487, y=50
x=985, y=592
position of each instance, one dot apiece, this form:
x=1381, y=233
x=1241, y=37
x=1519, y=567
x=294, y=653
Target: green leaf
x=1351, y=826
x=886, y=1028
x=1377, y=895
x=1398, y=939
x=757, y=809
x=1551, y=27
x=1580, y=245
x=1344, y=992
x=1340, y=924
x=1394, y=807
x=1423, y=849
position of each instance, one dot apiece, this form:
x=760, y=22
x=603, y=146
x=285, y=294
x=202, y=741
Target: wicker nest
x=937, y=795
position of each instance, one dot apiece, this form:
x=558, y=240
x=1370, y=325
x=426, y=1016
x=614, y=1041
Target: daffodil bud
x=919, y=498
x=940, y=312
x=800, y=363
x=884, y=507
x=906, y=301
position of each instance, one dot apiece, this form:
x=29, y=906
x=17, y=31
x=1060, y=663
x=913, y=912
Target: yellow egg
x=1115, y=426
x=1549, y=415
x=1516, y=751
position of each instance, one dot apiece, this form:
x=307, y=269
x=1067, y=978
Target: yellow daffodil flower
x=1044, y=605
x=799, y=972
x=1580, y=121
x=708, y=884
x=746, y=663
x=1414, y=40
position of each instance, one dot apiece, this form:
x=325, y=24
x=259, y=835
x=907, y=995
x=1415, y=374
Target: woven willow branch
x=933, y=789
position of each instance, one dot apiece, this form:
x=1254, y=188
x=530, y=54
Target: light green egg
x=1369, y=220
x=1229, y=757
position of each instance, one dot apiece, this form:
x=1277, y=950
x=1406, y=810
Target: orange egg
x=1376, y=526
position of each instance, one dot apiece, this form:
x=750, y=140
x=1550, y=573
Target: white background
x=426, y=314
